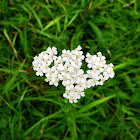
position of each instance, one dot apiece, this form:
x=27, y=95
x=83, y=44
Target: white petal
x=71, y=101
x=83, y=94
x=79, y=47
x=75, y=101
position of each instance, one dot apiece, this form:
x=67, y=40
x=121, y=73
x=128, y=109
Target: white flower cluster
x=67, y=68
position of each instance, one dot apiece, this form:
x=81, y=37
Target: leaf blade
x=97, y=102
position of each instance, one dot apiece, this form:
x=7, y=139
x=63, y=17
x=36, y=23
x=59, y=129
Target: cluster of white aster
x=67, y=68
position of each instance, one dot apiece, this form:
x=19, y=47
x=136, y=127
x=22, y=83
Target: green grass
x=30, y=109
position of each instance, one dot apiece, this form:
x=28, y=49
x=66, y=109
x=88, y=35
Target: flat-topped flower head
x=67, y=69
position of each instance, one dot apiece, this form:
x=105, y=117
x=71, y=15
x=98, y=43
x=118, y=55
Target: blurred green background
x=30, y=109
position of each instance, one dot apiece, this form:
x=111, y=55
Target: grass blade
x=51, y=23
x=98, y=33
x=35, y=15
x=40, y=121
x=95, y=103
